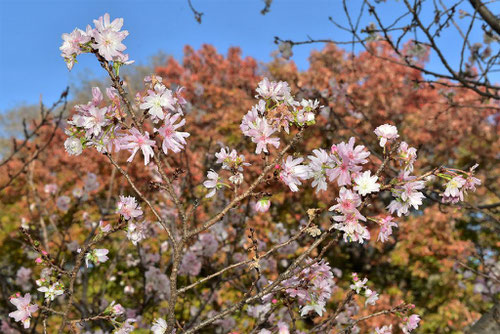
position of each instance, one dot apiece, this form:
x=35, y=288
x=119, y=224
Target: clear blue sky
x=30, y=35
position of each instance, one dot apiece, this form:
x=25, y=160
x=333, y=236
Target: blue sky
x=30, y=35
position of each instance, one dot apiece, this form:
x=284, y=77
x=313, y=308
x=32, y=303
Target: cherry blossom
x=52, y=291
x=108, y=38
x=128, y=207
x=126, y=327
x=249, y=121
x=406, y=195
x=72, y=46
x=136, y=232
x=95, y=121
x=24, y=309
x=347, y=201
x=454, y=190
x=386, y=133
x=386, y=225
x=292, y=172
x=135, y=141
x=348, y=221
x=50, y=188
x=23, y=277
x=116, y=309
x=96, y=256
x=277, y=91
x=407, y=156
x=261, y=135
x=371, y=297
x=312, y=287
x=262, y=205
x=365, y=183
x=157, y=282
x=319, y=163
x=285, y=49
x=384, y=330
x=358, y=283
x=159, y=326
x=305, y=115
x=353, y=230
x=190, y=264
x=236, y=179
x=63, y=203
x=104, y=227
x=283, y=328
x=157, y=100
x=212, y=183
x=471, y=182
x=73, y=146
x=172, y=139
x=230, y=160
x=347, y=159
x=207, y=245
x=410, y=323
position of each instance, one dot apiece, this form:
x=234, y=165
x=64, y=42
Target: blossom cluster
x=130, y=210
x=312, y=287
x=359, y=286
x=50, y=290
x=275, y=111
x=106, y=39
x=102, y=127
x=458, y=184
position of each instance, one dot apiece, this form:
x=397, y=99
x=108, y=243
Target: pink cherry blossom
x=386, y=225
x=454, y=191
x=407, y=156
x=172, y=139
x=347, y=159
x=159, y=100
x=261, y=135
x=24, y=309
x=249, y=121
x=319, y=163
x=108, y=38
x=292, y=172
x=263, y=205
x=312, y=287
x=71, y=46
x=95, y=121
x=406, y=195
x=371, y=297
x=230, y=159
x=136, y=232
x=347, y=201
x=135, y=141
x=23, y=277
x=50, y=188
x=410, y=323
x=128, y=207
x=277, y=91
